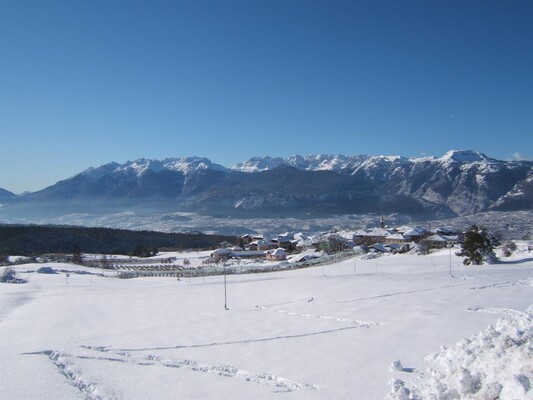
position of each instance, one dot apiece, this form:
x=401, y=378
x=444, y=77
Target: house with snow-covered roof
x=284, y=242
x=436, y=241
x=371, y=236
x=221, y=253
x=440, y=241
x=304, y=257
x=395, y=238
x=245, y=239
x=278, y=254
x=300, y=236
x=415, y=234
x=311, y=241
x=452, y=240
x=446, y=231
x=288, y=235
x=261, y=245
x=394, y=247
x=380, y=248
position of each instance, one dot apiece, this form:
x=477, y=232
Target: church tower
x=382, y=222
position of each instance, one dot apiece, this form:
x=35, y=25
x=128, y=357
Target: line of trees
x=32, y=240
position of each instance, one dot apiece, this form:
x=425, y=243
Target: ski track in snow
x=359, y=324
x=63, y=362
x=401, y=293
x=212, y=344
x=229, y=371
x=524, y=282
x=232, y=372
x=90, y=391
x=310, y=300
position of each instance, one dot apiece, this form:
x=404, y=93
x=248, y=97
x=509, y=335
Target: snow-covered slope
x=350, y=164
x=328, y=332
x=258, y=164
x=187, y=165
x=320, y=162
x=520, y=196
x=134, y=181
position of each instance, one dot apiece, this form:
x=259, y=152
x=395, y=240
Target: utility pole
x=225, y=287
x=451, y=276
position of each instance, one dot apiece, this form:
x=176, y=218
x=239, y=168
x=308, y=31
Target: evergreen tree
x=76, y=254
x=140, y=251
x=478, y=246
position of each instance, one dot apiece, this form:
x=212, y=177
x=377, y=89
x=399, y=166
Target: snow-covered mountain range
x=458, y=183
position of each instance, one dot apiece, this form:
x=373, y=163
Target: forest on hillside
x=32, y=240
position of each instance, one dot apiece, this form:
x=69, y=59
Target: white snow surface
x=463, y=156
x=326, y=332
x=339, y=162
x=497, y=363
x=138, y=167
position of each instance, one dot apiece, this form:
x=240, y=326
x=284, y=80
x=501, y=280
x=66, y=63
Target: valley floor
x=327, y=332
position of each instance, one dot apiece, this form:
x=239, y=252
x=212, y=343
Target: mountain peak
x=258, y=164
x=464, y=156
x=140, y=166
x=191, y=164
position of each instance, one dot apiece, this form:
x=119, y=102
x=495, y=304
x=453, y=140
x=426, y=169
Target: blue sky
x=83, y=83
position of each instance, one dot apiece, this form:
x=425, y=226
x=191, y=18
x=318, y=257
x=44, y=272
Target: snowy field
x=357, y=329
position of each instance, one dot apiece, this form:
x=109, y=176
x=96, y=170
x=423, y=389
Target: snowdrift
x=497, y=363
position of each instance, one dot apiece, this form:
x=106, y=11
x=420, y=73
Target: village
x=256, y=253
x=382, y=239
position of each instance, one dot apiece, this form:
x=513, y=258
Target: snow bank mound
x=8, y=275
x=46, y=270
x=497, y=363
